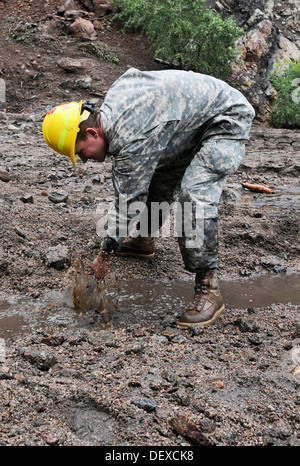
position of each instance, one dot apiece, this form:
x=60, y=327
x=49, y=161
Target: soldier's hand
x=101, y=265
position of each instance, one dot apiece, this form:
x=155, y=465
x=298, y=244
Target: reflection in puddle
x=130, y=301
x=283, y=197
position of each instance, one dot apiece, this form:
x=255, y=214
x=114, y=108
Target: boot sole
x=134, y=254
x=206, y=323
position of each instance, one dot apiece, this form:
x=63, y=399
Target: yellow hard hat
x=60, y=128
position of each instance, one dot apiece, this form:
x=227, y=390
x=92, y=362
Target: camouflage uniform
x=175, y=133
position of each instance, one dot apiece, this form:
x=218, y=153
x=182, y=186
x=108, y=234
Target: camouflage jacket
x=150, y=118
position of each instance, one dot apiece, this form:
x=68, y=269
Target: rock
x=217, y=384
x=27, y=199
x=189, y=430
x=230, y=196
x=169, y=377
x=136, y=349
x=88, y=4
x=134, y=383
x=269, y=37
x=256, y=46
x=243, y=325
x=270, y=262
x=3, y=266
x=147, y=405
x=52, y=440
x=57, y=257
x=68, y=5
x=287, y=49
x=5, y=176
x=84, y=83
x=58, y=196
x=101, y=9
x=5, y=376
x=43, y=361
x=181, y=397
x=96, y=179
x=53, y=340
x=74, y=14
x=73, y=65
x=83, y=29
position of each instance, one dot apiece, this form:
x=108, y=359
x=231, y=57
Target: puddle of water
x=282, y=197
x=262, y=291
x=130, y=301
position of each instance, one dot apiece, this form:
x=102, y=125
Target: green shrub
x=184, y=34
x=285, y=112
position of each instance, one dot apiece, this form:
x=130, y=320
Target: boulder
x=272, y=33
x=73, y=65
x=83, y=29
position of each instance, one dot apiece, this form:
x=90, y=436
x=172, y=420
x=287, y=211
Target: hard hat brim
x=60, y=128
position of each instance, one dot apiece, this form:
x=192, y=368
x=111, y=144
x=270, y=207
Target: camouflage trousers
x=199, y=180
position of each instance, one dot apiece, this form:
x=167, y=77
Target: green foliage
x=184, y=34
x=286, y=80
x=102, y=52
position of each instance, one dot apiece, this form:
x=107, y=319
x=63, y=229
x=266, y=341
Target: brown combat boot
x=138, y=247
x=208, y=303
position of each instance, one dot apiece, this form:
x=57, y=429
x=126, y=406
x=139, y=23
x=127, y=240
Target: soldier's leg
x=201, y=188
x=165, y=183
x=164, y=187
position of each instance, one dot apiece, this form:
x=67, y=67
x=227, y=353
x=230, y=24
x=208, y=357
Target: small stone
x=243, y=325
x=256, y=341
x=57, y=257
x=43, y=361
x=58, y=196
x=72, y=65
x=27, y=199
x=230, y=196
x=96, y=179
x=217, y=384
x=101, y=8
x=270, y=261
x=52, y=440
x=147, y=405
x=5, y=376
x=84, y=83
x=188, y=429
x=134, y=383
x=134, y=349
x=53, y=340
x=5, y=176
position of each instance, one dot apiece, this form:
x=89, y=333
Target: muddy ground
x=124, y=373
